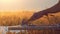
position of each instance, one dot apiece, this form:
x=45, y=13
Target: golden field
x=15, y=18
x=52, y=18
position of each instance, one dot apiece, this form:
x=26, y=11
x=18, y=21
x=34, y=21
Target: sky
x=38, y=5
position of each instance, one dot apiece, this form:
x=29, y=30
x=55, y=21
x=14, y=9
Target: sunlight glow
x=17, y=5
x=6, y=1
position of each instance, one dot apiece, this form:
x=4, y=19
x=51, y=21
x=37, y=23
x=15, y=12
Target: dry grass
x=15, y=18
x=53, y=18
